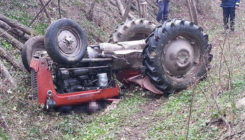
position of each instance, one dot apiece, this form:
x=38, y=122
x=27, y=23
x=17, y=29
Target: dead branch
x=45, y=10
x=133, y=7
x=6, y=79
x=107, y=13
x=112, y=2
x=90, y=13
x=127, y=10
x=38, y=13
x=9, y=58
x=59, y=9
x=190, y=110
x=17, y=25
x=11, y=39
x=152, y=4
x=121, y=9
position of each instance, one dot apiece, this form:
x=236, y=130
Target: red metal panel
x=124, y=75
x=45, y=84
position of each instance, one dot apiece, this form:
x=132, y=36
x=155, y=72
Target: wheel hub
x=67, y=42
x=178, y=57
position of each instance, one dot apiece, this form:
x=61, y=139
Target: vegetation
x=141, y=114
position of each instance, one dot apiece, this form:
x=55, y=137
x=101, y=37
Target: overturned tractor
x=163, y=59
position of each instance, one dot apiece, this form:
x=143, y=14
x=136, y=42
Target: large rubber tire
x=65, y=42
x=31, y=46
x=177, y=55
x=136, y=29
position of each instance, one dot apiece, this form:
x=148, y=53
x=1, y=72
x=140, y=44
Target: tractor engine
x=68, y=80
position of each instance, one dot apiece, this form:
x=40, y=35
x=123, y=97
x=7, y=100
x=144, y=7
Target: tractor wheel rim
x=69, y=42
x=38, y=50
x=180, y=56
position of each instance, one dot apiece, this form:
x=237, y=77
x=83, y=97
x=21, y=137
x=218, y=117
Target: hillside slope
x=141, y=115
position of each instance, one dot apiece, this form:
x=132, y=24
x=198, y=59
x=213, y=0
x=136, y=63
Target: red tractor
x=66, y=71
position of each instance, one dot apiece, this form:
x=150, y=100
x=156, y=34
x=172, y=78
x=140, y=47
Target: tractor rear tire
x=32, y=45
x=131, y=30
x=177, y=55
x=65, y=42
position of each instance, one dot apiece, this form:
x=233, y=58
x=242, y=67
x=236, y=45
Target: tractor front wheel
x=65, y=42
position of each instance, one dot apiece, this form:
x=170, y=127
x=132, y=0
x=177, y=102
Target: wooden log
x=13, y=31
x=9, y=58
x=20, y=34
x=4, y=25
x=127, y=10
x=17, y=25
x=11, y=39
x=7, y=81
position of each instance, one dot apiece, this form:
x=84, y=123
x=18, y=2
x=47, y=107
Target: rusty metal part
x=145, y=82
x=179, y=57
x=69, y=41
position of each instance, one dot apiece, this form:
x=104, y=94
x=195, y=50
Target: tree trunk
x=191, y=5
x=127, y=10
x=194, y=10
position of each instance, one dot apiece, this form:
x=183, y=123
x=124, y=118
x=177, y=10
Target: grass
x=138, y=116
